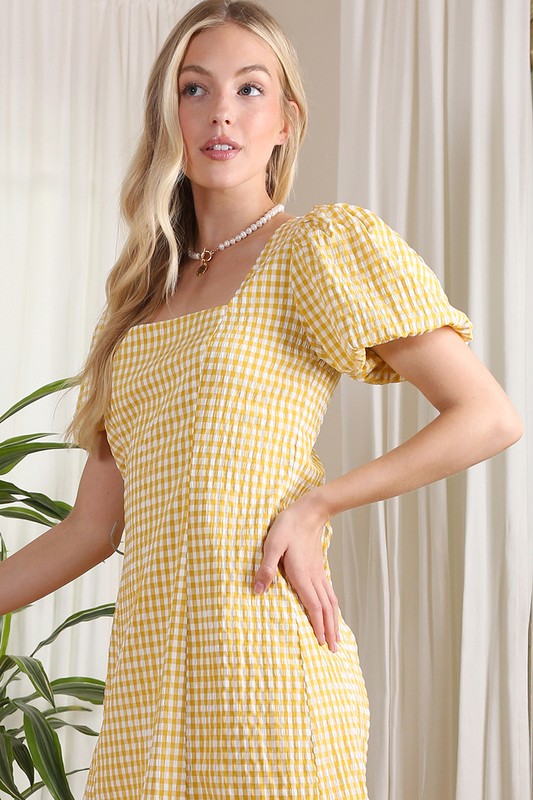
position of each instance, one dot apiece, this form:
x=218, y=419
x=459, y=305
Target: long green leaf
x=53, y=508
x=35, y=787
x=38, y=786
x=5, y=495
x=49, y=388
x=4, y=788
x=45, y=750
x=5, y=620
x=13, y=455
x=9, y=493
x=56, y=723
x=23, y=438
x=6, y=766
x=63, y=709
x=6, y=709
x=34, y=670
x=5, y=629
x=89, y=690
x=89, y=614
x=5, y=664
x=27, y=514
x=23, y=759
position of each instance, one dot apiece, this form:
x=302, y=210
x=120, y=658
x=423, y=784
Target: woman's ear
x=290, y=109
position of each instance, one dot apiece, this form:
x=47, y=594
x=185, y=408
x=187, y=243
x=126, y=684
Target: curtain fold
x=436, y=138
x=72, y=77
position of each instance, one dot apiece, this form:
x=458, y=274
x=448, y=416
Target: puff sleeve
x=356, y=283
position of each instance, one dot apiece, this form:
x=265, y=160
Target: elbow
x=515, y=429
x=505, y=429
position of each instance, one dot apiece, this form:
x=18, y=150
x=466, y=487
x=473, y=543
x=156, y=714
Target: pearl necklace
x=206, y=255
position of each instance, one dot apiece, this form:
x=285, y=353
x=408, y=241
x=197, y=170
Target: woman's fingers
x=328, y=618
x=299, y=546
x=313, y=606
x=272, y=553
x=334, y=606
x=321, y=607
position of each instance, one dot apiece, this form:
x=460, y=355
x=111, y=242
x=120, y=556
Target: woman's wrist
x=315, y=503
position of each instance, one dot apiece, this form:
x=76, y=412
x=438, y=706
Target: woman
x=228, y=324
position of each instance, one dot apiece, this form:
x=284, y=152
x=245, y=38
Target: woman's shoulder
x=325, y=213
x=335, y=231
x=332, y=220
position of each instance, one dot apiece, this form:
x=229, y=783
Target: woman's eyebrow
x=242, y=71
x=254, y=68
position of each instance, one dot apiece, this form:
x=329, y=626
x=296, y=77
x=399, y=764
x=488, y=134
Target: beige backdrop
x=437, y=586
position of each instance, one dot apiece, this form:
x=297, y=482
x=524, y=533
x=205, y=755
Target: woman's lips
x=220, y=149
x=220, y=155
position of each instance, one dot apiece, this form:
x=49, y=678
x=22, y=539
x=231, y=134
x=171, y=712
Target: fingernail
x=259, y=588
x=334, y=648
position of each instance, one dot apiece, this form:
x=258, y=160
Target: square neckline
x=254, y=269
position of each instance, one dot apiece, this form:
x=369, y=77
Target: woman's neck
x=222, y=215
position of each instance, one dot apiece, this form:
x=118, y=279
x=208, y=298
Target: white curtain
x=435, y=136
x=72, y=76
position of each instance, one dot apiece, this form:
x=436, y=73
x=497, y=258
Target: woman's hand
x=294, y=542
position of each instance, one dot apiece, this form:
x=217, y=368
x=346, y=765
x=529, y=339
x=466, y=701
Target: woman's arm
x=476, y=420
x=73, y=546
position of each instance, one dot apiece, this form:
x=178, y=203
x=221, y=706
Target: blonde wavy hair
x=156, y=197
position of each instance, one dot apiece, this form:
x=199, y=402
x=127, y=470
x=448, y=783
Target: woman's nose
x=221, y=118
x=221, y=113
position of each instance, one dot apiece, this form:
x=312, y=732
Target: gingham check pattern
x=214, y=692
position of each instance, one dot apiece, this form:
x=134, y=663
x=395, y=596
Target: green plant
x=28, y=723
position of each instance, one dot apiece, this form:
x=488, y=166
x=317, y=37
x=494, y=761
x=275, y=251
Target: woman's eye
x=249, y=90
x=193, y=90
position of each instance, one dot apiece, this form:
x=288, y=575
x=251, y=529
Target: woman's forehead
x=231, y=45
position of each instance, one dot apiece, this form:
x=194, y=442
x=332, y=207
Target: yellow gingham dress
x=214, y=692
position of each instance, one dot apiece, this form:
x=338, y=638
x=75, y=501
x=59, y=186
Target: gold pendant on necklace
x=205, y=257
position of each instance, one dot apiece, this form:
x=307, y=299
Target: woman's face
x=230, y=108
